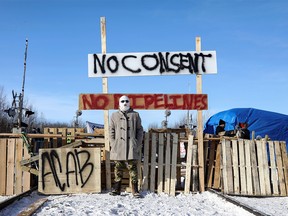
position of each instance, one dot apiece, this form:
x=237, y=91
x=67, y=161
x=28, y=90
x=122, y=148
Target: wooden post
x=200, y=126
x=106, y=112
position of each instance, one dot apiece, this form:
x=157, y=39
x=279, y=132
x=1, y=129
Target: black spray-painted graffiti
x=77, y=170
x=162, y=61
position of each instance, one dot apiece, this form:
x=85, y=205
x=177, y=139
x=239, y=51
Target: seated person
x=242, y=131
x=220, y=129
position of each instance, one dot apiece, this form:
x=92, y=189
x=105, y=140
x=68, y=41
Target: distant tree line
x=34, y=121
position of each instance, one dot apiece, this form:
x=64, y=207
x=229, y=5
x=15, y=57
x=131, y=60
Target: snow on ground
x=203, y=204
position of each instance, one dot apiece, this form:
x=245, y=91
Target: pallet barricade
x=12, y=179
x=17, y=165
x=235, y=166
x=248, y=167
x=66, y=136
x=163, y=168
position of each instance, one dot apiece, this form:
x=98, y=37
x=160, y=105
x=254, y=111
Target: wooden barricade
x=67, y=135
x=248, y=167
x=162, y=166
x=12, y=179
x=17, y=165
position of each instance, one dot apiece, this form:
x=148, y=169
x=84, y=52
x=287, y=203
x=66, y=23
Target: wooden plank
x=248, y=167
x=46, y=140
x=255, y=177
x=217, y=172
x=211, y=163
x=274, y=175
x=97, y=165
x=229, y=166
x=160, y=164
x=18, y=170
x=280, y=168
x=235, y=166
x=188, y=164
x=10, y=167
x=224, y=167
x=3, y=165
x=106, y=112
x=285, y=163
x=153, y=162
x=174, y=164
x=54, y=144
x=243, y=186
x=167, y=164
x=64, y=134
x=261, y=167
x=200, y=126
x=33, y=207
x=266, y=168
x=146, y=162
x=195, y=171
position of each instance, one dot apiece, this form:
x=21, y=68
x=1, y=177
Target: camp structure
x=262, y=122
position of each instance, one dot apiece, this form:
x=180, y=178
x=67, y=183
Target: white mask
x=124, y=103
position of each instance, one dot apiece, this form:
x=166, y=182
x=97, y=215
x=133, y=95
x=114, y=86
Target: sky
x=249, y=37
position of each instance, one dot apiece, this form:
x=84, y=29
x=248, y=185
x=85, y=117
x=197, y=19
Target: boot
x=135, y=191
x=116, y=189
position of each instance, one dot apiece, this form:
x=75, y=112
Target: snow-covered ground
x=203, y=204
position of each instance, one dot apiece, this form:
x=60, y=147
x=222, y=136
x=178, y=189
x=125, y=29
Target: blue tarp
x=275, y=125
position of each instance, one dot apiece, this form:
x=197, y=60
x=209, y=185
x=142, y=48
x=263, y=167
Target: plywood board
x=69, y=170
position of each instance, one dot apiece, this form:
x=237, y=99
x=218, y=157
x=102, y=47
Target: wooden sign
x=144, y=101
x=152, y=64
x=69, y=170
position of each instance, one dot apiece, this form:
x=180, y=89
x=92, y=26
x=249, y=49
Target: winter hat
x=221, y=122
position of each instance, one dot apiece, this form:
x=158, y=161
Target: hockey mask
x=124, y=103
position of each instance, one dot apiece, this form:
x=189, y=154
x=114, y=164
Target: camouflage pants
x=131, y=166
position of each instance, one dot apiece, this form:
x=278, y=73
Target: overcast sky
x=249, y=37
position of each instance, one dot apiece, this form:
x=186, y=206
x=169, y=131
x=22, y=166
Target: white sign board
x=152, y=64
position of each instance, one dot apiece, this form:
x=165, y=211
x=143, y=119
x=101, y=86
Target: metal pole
x=21, y=96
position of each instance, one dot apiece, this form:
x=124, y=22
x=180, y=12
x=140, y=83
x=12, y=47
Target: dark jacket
x=126, y=135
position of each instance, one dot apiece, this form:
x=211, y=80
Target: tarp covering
x=275, y=125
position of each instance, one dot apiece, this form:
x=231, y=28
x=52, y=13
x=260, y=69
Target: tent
x=275, y=125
